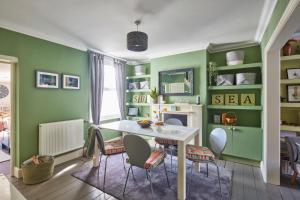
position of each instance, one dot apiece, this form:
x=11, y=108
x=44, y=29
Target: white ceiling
x=4, y=72
x=173, y=26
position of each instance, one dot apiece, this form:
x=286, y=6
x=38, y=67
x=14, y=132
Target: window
x=110, y=105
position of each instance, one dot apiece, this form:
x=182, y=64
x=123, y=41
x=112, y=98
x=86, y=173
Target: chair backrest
x=137, y=149
x=94, y=130
x=218, y=140
x=293, y=150
x=174, y=121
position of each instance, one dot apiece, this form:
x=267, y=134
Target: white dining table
x=180, y=133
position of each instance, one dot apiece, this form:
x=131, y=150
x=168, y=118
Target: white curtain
x=121, y=85
x=96, y=65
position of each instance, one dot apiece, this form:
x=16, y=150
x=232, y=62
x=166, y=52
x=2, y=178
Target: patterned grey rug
x=199, y=186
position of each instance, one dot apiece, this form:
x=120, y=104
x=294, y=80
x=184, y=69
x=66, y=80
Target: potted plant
x=154, y=95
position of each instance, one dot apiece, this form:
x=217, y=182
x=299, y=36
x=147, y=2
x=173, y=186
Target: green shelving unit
x=143, y=108
x=244, y=140
x=139, y=91
x=225, y=107
x=236, y=87
x=239, y=67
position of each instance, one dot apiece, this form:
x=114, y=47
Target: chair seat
x=114, y=147
x=163, y=141
x=155, y=159
x=197, y=153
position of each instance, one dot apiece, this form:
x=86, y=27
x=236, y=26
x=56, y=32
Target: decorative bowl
x=144, y=123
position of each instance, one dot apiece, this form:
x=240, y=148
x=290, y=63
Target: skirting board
x=57, y=160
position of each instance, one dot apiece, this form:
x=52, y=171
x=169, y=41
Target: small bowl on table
x=144, y=123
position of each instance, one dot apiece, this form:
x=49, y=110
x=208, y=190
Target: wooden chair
x=140, y=155
x=108, y=149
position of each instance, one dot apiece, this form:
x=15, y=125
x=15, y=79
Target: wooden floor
x=247, y=184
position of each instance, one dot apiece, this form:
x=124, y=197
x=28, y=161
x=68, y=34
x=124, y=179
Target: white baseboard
x=57, y=160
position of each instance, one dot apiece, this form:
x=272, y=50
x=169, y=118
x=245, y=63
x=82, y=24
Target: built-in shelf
x=293, y=57
x=137, y=104
x=137, y=118
x=290, y=128
x=290, y=81
x=139, y=90
x=290, y=105
x=227, y=126
x=235, y=87
x=237, y=67
x=234, y=107
x=137, y=77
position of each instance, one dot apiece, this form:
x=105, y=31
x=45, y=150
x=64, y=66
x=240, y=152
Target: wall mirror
x=178, y=82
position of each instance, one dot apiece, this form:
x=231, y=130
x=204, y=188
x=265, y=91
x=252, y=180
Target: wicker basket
x=33, y=174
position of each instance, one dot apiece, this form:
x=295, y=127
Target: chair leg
x=166, y=174
x=99, y=164
x=126, y=180
x=294, y=178
x=207, y=169
x=132, y=174
x=105, y=173
x=149, y=174
x=123, y=161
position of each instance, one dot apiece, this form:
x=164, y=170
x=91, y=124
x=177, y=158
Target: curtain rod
x=108, y=55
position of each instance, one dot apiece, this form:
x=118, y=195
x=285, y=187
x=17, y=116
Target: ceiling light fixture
x=137, y=40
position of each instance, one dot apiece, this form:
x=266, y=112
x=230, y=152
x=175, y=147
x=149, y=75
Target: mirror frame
x=175, y=71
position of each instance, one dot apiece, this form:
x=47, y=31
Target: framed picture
x=133, y=111
x=71, y=82
x=217, y=119
x=293, y=73
x=46, y=80
x=293, y=93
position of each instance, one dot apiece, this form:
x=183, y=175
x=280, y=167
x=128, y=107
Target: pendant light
x=137, y=40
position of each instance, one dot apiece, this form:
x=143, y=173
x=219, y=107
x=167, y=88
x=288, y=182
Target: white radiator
x=60, y=137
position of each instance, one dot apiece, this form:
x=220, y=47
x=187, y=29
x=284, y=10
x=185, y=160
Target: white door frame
x=13, y=61
x=287, y=25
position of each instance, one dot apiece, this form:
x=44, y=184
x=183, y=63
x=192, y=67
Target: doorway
x=5, y=117
x=287, y=26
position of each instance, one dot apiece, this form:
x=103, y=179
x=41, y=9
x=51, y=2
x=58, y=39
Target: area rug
x=199, y=186
x=4, y=156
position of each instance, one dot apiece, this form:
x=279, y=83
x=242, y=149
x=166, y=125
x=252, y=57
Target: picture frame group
x=52, y=80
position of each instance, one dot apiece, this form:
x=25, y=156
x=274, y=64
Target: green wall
x=35, y=105
x=276, y=15
x=196, y=60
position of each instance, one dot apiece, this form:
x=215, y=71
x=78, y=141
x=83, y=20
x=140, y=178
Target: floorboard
x=247, y=184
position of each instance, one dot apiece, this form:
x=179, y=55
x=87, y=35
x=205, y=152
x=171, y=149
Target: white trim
x=8, y=59
x=213, y=48
x=287, y=25
x=265, y=18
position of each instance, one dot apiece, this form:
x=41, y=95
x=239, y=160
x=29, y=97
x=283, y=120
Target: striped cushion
x=197, y=153
x=114, y=147
x=163, y=141
x=155, y=159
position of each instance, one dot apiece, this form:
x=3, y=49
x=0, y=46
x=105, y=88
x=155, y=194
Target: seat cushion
x=155, y=159
x=163, y=141
x=114, y=147
x=197, y=153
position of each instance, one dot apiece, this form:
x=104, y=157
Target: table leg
x=96, y=157
x=197, y=143
x=181, y=176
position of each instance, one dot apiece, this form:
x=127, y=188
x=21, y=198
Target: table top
x=179, y=133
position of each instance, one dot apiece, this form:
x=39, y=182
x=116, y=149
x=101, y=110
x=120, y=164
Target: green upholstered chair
x=140, y=155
